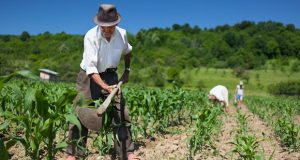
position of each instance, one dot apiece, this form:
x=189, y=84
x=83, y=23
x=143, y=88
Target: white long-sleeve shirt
x=99, y=54
x=221, y=93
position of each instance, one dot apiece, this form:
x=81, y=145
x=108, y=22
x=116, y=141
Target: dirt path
x=269, y=142
x=164, y=148
x=227, y=134
x=296, y=119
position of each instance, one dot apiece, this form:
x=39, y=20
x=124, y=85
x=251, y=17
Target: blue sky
x=75, y=16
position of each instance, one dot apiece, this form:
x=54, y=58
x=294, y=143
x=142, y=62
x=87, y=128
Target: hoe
x=91, y=118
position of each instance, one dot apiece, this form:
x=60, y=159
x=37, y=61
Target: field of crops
x=166, y=124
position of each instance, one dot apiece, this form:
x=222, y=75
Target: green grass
x=258, y=82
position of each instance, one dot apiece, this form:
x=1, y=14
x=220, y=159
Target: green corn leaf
x=7, y=114
x=66, y=98
x=3, y=151
x=42, y=105
x=23, y=73
x=4, y=80
x=61, y=145
x=27, y=74
x=33, y=145
x=4, y=125
x=74, y=120
x=17, y=92
x=45, y=128
x=29, y=99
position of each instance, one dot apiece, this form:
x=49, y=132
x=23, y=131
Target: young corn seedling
x=246, y=146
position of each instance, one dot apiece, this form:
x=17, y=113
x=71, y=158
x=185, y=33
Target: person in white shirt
x=239, y=94
x=104, y=45
x=219, y=93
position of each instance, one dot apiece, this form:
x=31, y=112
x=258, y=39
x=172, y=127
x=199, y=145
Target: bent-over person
x=219, y=93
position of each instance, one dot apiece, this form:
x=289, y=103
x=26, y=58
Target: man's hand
x=125, y=76
x=96, y=77
x=109, y=89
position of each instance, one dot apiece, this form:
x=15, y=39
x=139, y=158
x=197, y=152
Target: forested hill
x=247, y=44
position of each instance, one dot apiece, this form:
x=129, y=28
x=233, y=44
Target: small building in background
x=48, y=75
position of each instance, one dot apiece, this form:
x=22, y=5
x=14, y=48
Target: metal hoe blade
x=89, y=118
x=92, y=118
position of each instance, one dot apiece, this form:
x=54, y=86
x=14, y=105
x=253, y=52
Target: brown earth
x=269, y=141
x=174, y=146
x=296, y=119
x=227, y=134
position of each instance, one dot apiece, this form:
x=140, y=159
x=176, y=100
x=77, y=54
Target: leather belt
x=110, y=70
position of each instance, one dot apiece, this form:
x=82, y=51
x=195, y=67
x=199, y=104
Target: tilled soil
x=174, y=146
x=268, y=141
x=228, y=131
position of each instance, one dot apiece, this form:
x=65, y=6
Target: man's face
x=107, y=31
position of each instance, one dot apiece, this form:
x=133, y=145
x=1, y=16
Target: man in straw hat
x=104, y=45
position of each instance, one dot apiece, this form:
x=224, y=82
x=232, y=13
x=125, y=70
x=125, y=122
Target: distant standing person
x=219, y=94
x=239, y=94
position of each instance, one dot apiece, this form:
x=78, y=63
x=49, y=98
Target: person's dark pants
x=119, y=114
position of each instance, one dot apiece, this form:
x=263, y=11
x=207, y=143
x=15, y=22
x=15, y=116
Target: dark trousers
x=87, y=88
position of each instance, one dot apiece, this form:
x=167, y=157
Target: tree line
x=247, y=45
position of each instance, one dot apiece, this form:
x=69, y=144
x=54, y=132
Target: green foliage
x=35, y=115
x=242, y=74
x=60, y=52
x=246, y=146
x=288, y=133
x=290, y=88
x=25, y=36
x=295, y=66
x=205, y=124
x=160, y=108
x=245, y=44
x=278, y=112
x=3, y=151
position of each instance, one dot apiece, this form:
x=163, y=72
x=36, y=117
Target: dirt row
x=269, y=142
x=174, y=146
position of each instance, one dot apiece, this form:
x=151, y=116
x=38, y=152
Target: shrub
x=290, y=88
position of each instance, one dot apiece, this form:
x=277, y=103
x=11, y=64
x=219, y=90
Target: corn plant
x=206, y=123
x=288, y=133
x=34, y=120
x=278, y=112
x=242, y=120
x=153, y=110
x=246, y=146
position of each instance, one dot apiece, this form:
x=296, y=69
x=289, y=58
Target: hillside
x=245, y=45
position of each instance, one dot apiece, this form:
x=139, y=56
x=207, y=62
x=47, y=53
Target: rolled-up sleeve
x=128, y=47
x=90, y=56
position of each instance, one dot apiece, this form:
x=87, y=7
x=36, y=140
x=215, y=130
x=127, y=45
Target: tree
x=233, y=39
x=5, y=38
x=290, y=27
x=25, y=36
x=244, y=24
